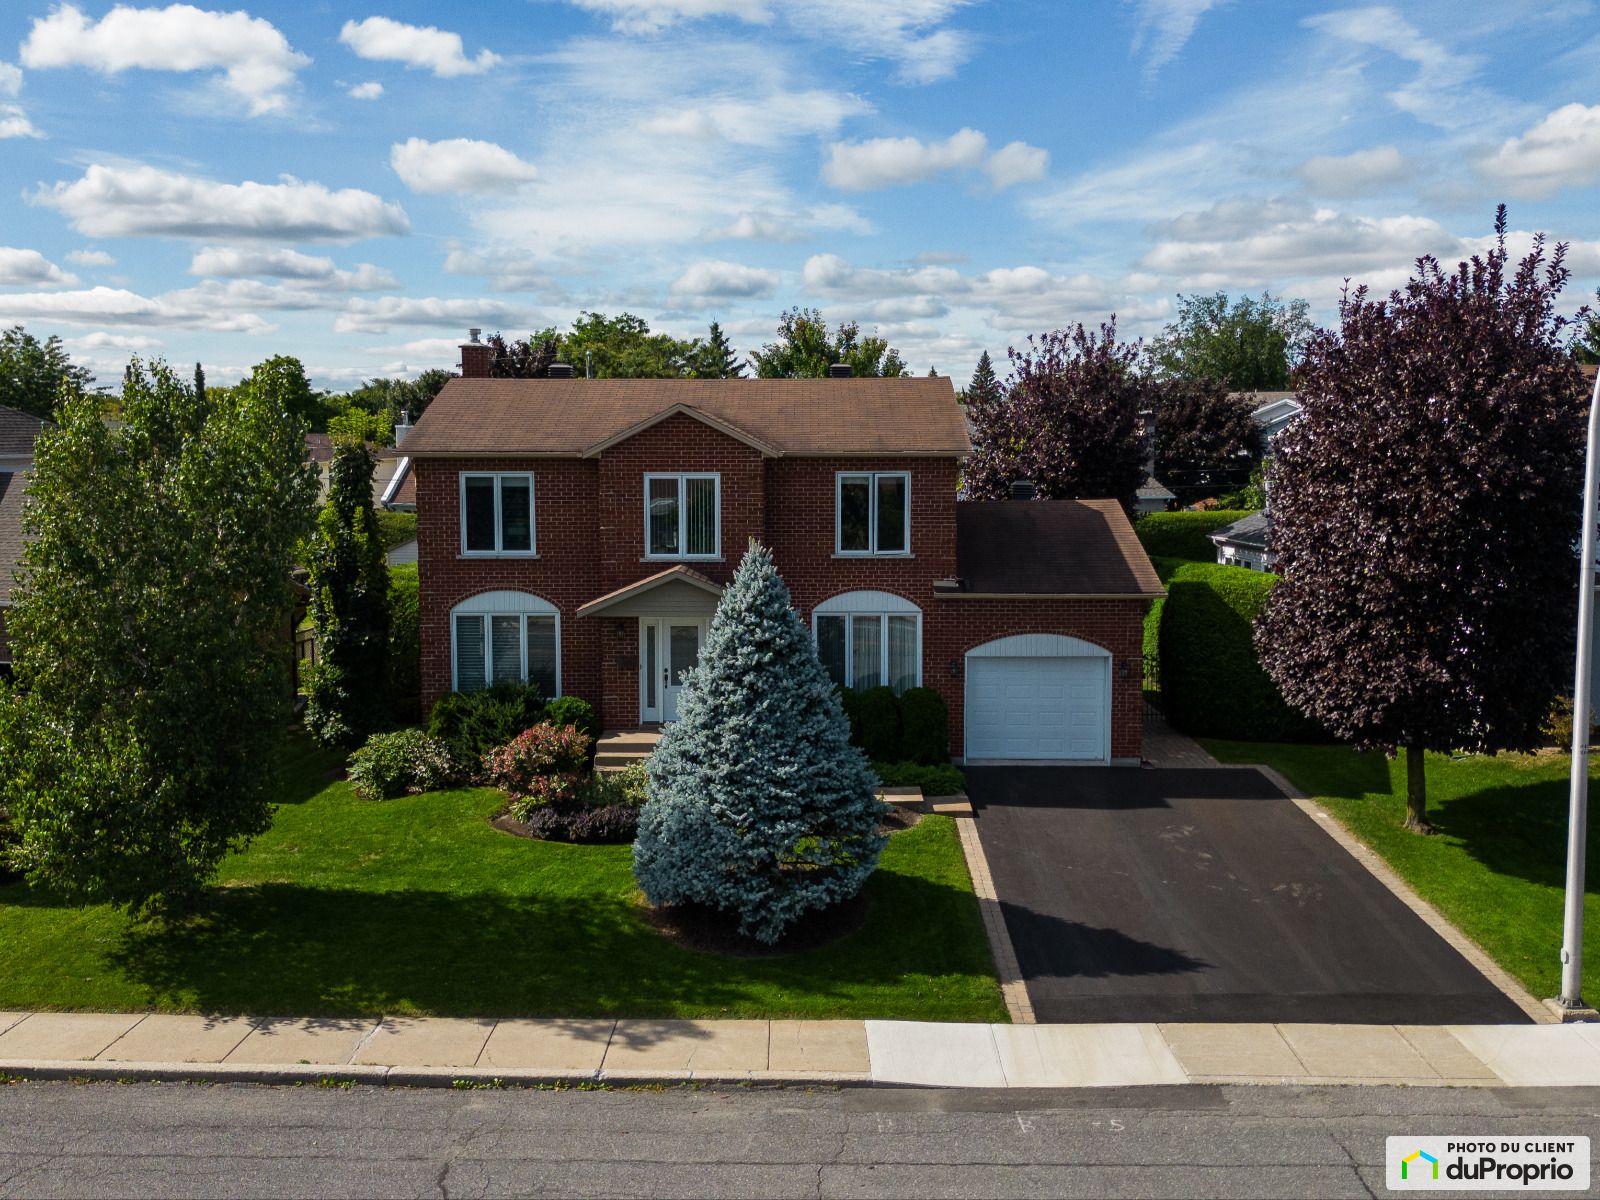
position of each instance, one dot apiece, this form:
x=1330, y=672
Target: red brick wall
x=951, y=627
x=679, y=443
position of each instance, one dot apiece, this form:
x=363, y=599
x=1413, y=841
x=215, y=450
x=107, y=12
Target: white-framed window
x=683, y=515
x=505, y=637
x=872, y=512
x=497, y=513
x=866, y=639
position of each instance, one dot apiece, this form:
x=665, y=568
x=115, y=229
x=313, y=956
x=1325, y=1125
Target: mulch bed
x=712, y=931
x=506, y=823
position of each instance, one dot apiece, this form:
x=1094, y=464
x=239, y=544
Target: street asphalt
x=1202, y=894
x=175, y=1140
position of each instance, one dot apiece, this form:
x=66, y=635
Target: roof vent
x=560, y=370
x=472, y=335
x=841, y=371
x=1023, y=489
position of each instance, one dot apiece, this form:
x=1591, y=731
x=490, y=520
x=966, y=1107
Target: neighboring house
x=1244, y=543
x=18, y=432
x=1152, y=497
x=578, y=534
x=388, y=461
x=1274, y=412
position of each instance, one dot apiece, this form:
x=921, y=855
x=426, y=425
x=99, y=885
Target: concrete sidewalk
x=439, y=1050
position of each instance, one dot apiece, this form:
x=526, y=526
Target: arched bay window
x=500, y=637
x=866, y=639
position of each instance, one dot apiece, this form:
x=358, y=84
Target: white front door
x=668, y=648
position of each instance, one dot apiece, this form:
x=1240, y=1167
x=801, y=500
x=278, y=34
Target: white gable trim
x=1039, y=645
x=505, y=602
x=866, y=602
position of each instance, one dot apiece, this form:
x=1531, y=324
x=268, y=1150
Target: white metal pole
x=1578, y=800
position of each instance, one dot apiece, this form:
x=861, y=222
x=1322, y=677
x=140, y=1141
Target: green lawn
x=418, y=906
x=1498, y=864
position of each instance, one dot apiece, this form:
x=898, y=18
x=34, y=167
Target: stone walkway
x=440, y=1051
x=1164, y=746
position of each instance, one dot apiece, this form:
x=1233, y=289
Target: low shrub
x=471, y=724
x=629, y=786
x=1558, y=725
x=924, y=726
x=610, y=823
x=574, y=711
x=406, y=763
x=405, y=645
x=1184, y=534
x=942, y=779
x=10, y=842
x=880, y=722
x=540, y=765
x=850, y=701
x=1212, y=684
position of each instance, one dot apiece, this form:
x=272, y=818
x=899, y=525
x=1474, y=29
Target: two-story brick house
x=578, y=533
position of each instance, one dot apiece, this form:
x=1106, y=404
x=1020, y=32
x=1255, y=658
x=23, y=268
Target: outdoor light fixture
x=955, y=667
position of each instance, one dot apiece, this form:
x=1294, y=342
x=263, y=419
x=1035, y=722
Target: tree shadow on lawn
x=1517, y=829
x=1330, y=770
x=286, y=949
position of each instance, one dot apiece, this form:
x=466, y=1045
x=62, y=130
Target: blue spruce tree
x=759, y=806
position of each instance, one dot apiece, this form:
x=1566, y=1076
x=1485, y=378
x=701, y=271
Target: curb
x=54, y=1070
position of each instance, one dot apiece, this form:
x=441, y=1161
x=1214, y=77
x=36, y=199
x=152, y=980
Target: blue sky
x=356, y=184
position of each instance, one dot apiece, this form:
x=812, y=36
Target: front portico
x=655, y=629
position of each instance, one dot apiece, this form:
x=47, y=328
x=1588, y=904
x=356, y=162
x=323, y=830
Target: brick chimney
x=475, y=356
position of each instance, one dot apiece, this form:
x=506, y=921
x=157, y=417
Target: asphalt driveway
x=1202, y=894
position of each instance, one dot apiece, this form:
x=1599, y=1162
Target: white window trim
x=851, y=605
x=872, y=478
x=503, y=604
x=682, y=478
x=533, y=515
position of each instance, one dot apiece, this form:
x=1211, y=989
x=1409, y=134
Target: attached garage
x=1043, y=697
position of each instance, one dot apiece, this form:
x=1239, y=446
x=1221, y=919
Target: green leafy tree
x=1248, y=344
x=1586, y=345
x=281, y=380
x=150, y=626
x=624, y=348
x=1067, y=419
x=392, y=398
x=1425, y=509
x=526, y=358
x=759, y=806
x=805, y=349
x=36, y=376
x=348, y=689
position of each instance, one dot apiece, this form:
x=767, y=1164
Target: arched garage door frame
x=1019, y=662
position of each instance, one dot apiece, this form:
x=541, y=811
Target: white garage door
x=1038, y=707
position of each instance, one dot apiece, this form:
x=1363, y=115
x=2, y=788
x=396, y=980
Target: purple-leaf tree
x=1206, y=436
x=1068, y=419
x=1425, y=507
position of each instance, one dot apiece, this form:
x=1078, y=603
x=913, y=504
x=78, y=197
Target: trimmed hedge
x=1212, y=684
x=924, y=726
x=405, y=645
x=944, y=779
x=880, y=723
x=396, y=528
x=1184, y=534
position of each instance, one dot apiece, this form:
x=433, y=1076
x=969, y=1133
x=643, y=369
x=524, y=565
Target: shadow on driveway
x=1202, y=894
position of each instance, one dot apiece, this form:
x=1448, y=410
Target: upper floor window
x=872, y=513
x=683, y=516
x=497, y=514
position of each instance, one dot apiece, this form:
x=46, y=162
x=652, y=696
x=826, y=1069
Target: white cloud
x=112, y=341
x=14, y=123
x=236, y=263
x=1562, y=150
x=762, y=120
x=1017, y=163
x=257, y=61
x=715, y=280
x=118, y=306
x=370, y=90
x=1353, y=174
x=1439, y=92
x=765, y=225
x=10, y=79
x=376, y=316
x=458, y=165
x=1165, y=27
x=383, y=40
x=889, y=162
x=886, y=162
x=91, y=258
x=132, y=201
x=652, y=16
x=29, y=268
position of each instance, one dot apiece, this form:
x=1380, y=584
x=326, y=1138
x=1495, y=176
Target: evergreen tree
x=718, y=359
x=199, y=382
x=759, y=805
x=349, y=606
x=983, y=394
x=137, y=748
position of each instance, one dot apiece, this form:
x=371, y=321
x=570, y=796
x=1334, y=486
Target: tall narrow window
x=866, y=652
x=497, y=514
x=830, y=649
x=542, y=654
x=470, y=673
x=873, y=513
x=682, y=516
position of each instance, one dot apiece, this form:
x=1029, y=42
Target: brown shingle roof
x=18, y=431
x=785, y=416
x=11, y=488
x=1050, y=548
